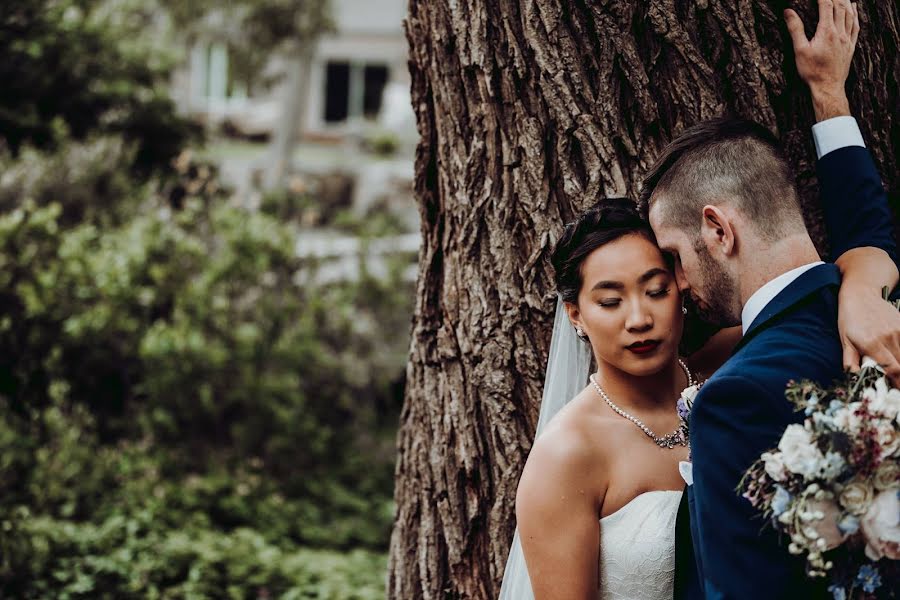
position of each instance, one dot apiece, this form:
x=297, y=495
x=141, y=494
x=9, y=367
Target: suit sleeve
x=742, y=557
x=854, y=202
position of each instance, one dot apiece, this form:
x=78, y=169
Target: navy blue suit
x=741, y=411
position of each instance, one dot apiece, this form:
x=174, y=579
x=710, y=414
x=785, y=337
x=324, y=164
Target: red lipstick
x=644, y=346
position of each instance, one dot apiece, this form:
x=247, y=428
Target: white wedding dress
x=637, y=548
x=637, y=542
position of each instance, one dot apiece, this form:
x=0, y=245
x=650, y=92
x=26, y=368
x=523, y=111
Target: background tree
x=257, y=29
x=529, y=111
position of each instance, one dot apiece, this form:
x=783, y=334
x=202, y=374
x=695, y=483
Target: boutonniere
x=684, y=405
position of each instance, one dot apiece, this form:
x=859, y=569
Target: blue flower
x=849, y=524
x=781, y=501
x=838, y=592
x=868, y=578
x=682, y=408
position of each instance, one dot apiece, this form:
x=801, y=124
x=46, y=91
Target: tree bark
x=529, y=111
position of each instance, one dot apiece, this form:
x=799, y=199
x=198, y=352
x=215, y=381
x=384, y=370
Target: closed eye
x=659, y=293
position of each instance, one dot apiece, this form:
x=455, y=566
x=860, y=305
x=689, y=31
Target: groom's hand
x=824, y=61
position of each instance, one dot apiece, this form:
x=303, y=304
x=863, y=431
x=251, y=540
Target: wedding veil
x=568, y=368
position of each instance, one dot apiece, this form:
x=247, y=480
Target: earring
x=683, y=309
x=580, y=333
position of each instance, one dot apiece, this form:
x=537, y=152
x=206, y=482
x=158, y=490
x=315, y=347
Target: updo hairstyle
x=609, y=220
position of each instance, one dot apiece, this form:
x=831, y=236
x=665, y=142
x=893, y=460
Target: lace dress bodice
x=637, y=548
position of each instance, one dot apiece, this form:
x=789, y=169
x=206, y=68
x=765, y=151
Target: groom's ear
x=717, y=230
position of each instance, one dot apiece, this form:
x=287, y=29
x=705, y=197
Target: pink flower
x=881, y=526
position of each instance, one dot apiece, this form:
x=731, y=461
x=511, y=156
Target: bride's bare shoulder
x=574, y=440
x=565, y=474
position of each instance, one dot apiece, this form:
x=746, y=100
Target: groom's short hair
x=725, y=160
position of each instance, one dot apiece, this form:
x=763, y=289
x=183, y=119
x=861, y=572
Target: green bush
x=128, y=557
x=181, y=416
x=84, y=67
x=89, y=181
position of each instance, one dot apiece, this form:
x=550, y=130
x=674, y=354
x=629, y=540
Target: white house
x=357, y=73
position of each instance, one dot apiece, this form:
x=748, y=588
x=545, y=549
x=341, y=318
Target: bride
x=604, y=472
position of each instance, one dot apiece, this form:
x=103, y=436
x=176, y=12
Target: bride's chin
x=646, y=367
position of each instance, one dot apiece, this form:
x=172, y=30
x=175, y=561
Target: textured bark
x=529, y=110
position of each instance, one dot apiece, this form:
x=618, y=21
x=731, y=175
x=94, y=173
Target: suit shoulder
x=791, y=350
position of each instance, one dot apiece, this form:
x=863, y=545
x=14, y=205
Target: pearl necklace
x=670, y=440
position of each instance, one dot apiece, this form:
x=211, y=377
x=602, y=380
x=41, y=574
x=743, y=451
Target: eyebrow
x=618, y=285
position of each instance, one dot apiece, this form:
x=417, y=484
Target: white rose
x=856, y=497
x=887, y=476
x=846, y=418
x=889, y=406
x=885, y=401
x=888, y=438
x=799, y=454
x=774, y=465
x=841, y=419
x=881, y=526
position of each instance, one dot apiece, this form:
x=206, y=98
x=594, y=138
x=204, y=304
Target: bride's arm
x=704, y=362
x=867, y=325
x=558, y=518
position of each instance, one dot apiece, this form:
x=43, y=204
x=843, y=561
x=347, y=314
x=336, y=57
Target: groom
x=722, y=201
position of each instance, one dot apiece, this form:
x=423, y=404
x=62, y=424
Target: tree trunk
x=293, y=109
x=529, y=111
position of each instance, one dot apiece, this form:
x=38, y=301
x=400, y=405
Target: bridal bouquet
x=833, y=484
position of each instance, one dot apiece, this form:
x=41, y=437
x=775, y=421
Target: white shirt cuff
x=836, y=133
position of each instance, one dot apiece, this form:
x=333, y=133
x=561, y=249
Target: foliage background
x=183, y=414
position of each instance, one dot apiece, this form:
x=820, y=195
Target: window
x=375, y=78
x=337, y=92
x=353, y=90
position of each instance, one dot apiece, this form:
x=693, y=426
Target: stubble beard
x=718, y=308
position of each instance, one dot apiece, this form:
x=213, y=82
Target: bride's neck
x=642, y=391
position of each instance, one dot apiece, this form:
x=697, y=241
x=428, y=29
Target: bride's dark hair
x=609, y=220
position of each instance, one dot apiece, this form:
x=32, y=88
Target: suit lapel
x=808, y=283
